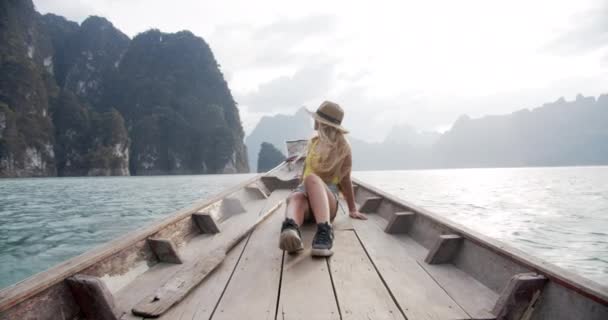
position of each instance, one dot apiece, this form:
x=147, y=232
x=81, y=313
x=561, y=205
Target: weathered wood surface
x=342, y=220
x=571, y=305
x=205, y=222
x=444, y=250
x=399, y=222
x=253, y=290
x=36, y=284
x=93, y=297
x=273, y=183
x=370, y=204
x=359, y=289
x=572, y=281
x=164, y=250
x=188, y=277
x=416, y=292
x=201, y=245
x=517, y=295
x=203, y=299
x=471, y=295
x=178, y=286
x=306, y=289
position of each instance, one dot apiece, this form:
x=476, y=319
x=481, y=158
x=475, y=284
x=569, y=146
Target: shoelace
x=323, y=235
x=289, y=224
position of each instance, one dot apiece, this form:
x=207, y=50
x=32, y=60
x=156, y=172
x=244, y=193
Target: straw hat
x=329, y=113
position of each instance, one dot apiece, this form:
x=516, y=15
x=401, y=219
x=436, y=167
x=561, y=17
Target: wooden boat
x=219, y=259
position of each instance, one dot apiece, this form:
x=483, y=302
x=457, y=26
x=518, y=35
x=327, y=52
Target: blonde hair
x=332, y=149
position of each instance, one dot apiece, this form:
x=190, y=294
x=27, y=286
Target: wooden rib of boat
x=219, y=259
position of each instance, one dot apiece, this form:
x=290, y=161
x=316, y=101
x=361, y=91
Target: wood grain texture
x=517, y=294
x=165, y=250
x=584, y=287
x=253, y=291
x=370, y=204
x=28, y=288
x=342, y=220
x=359, y=290
x=93, y=297
x=445, y=248
x=416, y=292
x=205, y=222
x=471, y=295
x=193, y=272
x=200, y=303
x=306, y=289
x=180, y=284
x=399, y=222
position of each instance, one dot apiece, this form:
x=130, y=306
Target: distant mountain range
x=561, y=133
x=87, y=100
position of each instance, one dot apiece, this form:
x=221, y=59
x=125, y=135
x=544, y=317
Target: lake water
x=558, y=214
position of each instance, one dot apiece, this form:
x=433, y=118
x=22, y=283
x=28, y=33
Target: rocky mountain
x=561, y=133
x=276, y=130
x=269, y=157
x=87, y=100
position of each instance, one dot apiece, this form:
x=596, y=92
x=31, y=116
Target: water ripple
x=558, y=214
x=46, y=221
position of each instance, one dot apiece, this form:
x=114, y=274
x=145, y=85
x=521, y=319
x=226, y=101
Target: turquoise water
x=559, y=214
x=44, y=221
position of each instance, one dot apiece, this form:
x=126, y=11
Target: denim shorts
x=328, y=186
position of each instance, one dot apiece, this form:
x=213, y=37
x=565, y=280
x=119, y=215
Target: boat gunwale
x=572, y=281
x=37, y=283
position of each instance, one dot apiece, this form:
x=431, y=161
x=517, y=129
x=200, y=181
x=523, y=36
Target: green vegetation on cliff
x=87, y=100
x=269, y=157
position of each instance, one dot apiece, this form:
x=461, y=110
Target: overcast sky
x=423, y=63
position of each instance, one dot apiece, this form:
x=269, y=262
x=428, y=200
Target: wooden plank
x=445, y=248
x=201, y=245
x=30, y=287
x=205, y=222
x=342, y=220
x=400, y=222
x=517, y=295
x=306, y=290
x=253, y=290
x=93, y=297
x=583, y=286
x=359, y=290
x=416, y=292
x=165, y=250
x=201, y=302
x=273, y=183
x=178, y=286
x=255, y=191
x=370, y=204
x=471, y=295
x=190, y=275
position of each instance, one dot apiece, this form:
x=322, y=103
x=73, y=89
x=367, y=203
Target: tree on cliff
x=269, y=157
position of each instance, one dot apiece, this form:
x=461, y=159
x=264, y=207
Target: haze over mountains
x=561, y=133
x=87, y=100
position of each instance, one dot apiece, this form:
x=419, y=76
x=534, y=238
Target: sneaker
x=323, y=241
x=291, y=239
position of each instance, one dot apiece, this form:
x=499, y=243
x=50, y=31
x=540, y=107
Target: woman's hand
x=357, y=215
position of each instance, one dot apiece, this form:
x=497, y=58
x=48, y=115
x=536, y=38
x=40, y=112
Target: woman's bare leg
x=322, y=202
x=297, y=205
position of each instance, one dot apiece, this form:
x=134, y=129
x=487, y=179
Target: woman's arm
x=346, y=185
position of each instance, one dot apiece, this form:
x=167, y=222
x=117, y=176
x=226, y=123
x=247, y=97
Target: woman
x=327, y=168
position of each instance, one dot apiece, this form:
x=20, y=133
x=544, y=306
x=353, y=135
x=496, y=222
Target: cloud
x=276, y=44
x=73, y=10
x=589, y=33
x=291, y=92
